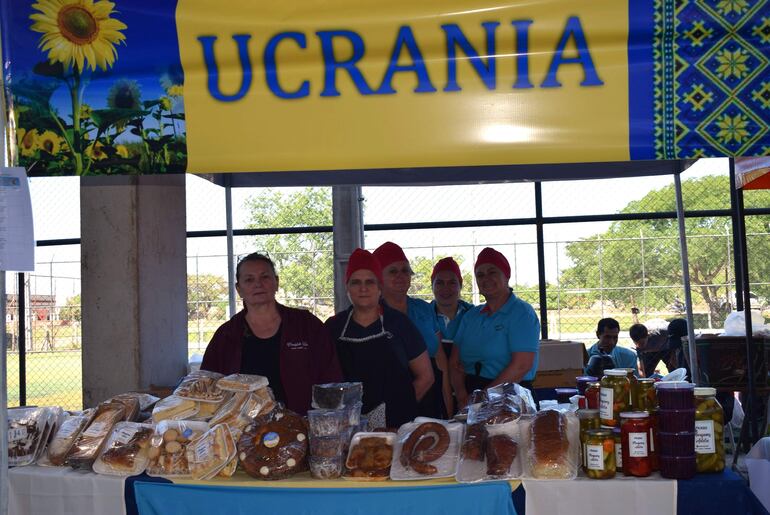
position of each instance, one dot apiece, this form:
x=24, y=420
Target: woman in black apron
x=379, y=347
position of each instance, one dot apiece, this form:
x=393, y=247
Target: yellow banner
x=342, y=84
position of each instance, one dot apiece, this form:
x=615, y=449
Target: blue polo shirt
x=423, y=317
x=623, y=357
x=491, y=338
x=448, y=327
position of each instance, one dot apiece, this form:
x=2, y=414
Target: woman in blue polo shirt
x=397, y=278
x=498, y=341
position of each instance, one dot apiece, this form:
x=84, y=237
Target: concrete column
x=348, y=221
x=134, y=283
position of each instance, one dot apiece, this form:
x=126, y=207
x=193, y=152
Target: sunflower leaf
x=174, y=116
x=105, y=118
x=46, y=69
x=150, y=103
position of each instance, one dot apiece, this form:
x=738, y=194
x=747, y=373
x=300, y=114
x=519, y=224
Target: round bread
x=274, y=446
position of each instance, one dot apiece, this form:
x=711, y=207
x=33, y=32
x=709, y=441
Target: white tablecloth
x=625, y=495
x=38, y=490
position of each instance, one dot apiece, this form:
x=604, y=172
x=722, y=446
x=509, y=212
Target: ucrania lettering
x=406, y=50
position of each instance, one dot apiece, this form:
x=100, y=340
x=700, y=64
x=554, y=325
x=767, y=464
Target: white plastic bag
x=758, y=465
x=735, y=323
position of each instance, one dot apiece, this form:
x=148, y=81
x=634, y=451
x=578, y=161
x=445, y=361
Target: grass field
x=53, y=379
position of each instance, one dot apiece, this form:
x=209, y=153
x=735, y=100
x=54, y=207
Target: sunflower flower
x=125, y=94
x=85, y=112
x=96, y=152
x=78, y=33
x=175, y=91
x=27, y=141
x=122, y=151
x=50, y=142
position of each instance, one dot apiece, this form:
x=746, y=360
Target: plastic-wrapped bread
x=125, y=453
x=65, y=438
x=91, y=440
x=242, y=382
x=501, y=451
x=549, y=446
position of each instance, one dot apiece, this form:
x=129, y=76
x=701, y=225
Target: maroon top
x=307, y=355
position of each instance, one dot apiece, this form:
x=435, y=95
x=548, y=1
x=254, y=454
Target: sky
x=56, y=213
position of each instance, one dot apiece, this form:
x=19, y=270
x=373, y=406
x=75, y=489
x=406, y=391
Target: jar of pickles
x=589, y=419
x=634, y=387
x=635, y=441
x=600, y=454
x=616, y=434
x=614, y=396
x=645, y=395
x=592, y=395
x=709, y=431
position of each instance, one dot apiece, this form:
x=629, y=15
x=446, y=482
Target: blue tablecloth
x=483, y=499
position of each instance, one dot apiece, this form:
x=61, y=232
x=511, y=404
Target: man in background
x=651, y=340
x=607, y=331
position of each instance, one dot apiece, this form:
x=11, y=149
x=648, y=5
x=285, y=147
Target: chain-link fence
x=622, y=263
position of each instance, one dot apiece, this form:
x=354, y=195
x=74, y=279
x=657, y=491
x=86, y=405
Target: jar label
x=595, y=457
x=637, y=445
x=704, y=437
x=606, y=401
x=17, y=434
x=618, y=456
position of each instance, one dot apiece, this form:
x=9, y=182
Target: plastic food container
x=635, y=443
x=614, y=396
x=677, y=444
x=327, y=422
x=325, y=468
x=326, y=446
x=709, y=431
x=583, y=382
x=675, y=395
x=336, y=395
x=676, y=421
x=125, y=452
x=353, y=414
x=677, y=467
x=370, y=456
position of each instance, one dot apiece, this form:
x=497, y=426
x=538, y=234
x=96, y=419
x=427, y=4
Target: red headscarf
x=389, y=253
x=362, y=259
x=447, y=265
x=492, y=257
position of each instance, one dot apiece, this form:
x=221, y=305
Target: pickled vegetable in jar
x=592, y=395
x=616, y=434
x=614, y=396
x=645, y=395
x=634, y=388
x=635, y=441
x=709, y=431
x=600, y=454
x=589, y=419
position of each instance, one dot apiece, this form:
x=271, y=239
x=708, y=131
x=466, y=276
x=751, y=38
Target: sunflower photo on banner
x=82, y=99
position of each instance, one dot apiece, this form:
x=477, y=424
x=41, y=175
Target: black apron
x=432, y=404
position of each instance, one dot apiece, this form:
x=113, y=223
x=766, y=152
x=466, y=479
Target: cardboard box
x=557, y=378
x=560, y=355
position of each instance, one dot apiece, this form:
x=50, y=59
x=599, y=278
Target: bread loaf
x=501, y=451
x=549, y=446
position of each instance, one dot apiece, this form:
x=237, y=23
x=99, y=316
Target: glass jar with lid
x=589, y=419
x=634, y=387
x=614, y=396
x=709, y=431
x=592, y=395
x=635, y=441
x=616, y=434
x=600, y=454
x=645, y=395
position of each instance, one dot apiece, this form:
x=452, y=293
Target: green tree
x=305, y=260
x=423, y=267
x=206, y=297
x=635, y=260
x=71, y=310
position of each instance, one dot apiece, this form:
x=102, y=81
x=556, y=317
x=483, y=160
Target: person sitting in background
x=446, y=282
x=288, y=346
x=499, y=341
x=677, y=329
x=607, y=330
x=651, y=347
x=380, y=347
x=397, y=279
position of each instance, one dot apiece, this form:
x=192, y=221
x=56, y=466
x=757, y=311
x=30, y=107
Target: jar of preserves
x=592, y=395
x=583, y=382
x=709, y=431
x=635, y=441
x=645, y=395
x=614, y=396
x=589, y=419
x=600, y=454
x=653, y=414
x=634, y=387
x=616, y=434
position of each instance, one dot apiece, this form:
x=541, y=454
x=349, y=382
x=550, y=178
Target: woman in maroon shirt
x=289, y=346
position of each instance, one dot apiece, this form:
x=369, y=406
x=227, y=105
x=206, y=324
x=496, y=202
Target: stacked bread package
x=88, y=444
x=553, y=444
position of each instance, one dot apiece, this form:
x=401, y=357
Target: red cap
x=389, y=253
x=362, y=259
x=492, y=257
x=447, y=264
